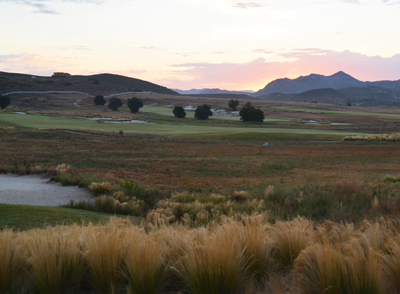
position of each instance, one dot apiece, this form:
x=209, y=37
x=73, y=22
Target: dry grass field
x=220, y=213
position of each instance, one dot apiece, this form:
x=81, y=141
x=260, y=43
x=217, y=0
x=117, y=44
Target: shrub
x=203, y=112
x=104, y=257
x=392, y=266
x=364, y=268
x=10, y=261
x=215, y=266
x=290, y=238
x=62, y=169
x=249, y=113
x=321, y=269
x=134, y=104
x=391, y=179
x=179, y=112
x=233, y=104
x=55, y=262
x=144, y=266
x=100, y=188
x=99, y=100
x=4, y=101
x=115, y=103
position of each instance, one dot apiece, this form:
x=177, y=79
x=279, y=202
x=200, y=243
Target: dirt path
x=35, y=190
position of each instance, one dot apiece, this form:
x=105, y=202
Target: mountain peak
x=338, y=80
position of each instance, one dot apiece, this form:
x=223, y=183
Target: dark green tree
x=233, y=104
x=179, y=112
x=249, y=113
x=134, y=104
x=115, y=103
x=99, y=100
x=4, y=101
x=203, y=112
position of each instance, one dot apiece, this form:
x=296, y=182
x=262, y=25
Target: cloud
x=247, y=5
x=41, y=6
x=37, y=64
x=257, y=73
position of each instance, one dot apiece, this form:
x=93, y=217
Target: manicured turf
x=167, y=111
x=56, y=122
x=21, y=217
x=318, y=110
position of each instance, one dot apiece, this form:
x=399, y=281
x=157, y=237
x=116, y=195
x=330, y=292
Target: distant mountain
x=100, y=84
x=208, y=91
x=302, y=84
x=188, y=92
x=362, y=96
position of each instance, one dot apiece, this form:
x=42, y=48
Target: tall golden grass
x=247, y=256
x=10, y=260
x=378, y=137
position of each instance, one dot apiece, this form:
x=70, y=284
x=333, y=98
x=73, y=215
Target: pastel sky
x=184, y=44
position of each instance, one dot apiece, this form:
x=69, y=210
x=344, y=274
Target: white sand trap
x=35, y=190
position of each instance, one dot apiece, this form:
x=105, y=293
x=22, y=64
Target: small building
x=60, y=75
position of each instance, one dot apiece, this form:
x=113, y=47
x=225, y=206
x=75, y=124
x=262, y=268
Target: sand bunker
x=35, y=190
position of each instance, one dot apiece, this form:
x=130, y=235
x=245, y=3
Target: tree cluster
x=4, y=101
x=99, y=100
x=233, y=104
x=115, y=103
x=203, y=112
x=179, y=112
x=134, y=104
x=250, y=113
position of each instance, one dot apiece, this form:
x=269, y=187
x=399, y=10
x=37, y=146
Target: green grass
x=22, y=217
x=319, y=110
x=55, y=122
x=167, y=111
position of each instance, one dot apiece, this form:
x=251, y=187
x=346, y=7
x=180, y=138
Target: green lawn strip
x=317, y=110
x=54, y=122
x=22, y=217
x=167, y=111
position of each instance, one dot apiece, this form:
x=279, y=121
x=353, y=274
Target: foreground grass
x=251, y=256
x=21, y=217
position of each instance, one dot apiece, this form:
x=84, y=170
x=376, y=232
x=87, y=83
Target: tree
x=134, y=104
x=233, y=104
x=115, y=103
x=203, y=112
x=99, y=100
x=4, y=101
x=179, y=112
x=249, y=113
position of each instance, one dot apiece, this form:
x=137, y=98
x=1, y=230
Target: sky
x=185, y=44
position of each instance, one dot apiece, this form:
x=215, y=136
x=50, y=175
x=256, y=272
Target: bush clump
x=179, y=112
x=134, y=104
x=99, y=100
x=100, y=188
x=115, y=103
